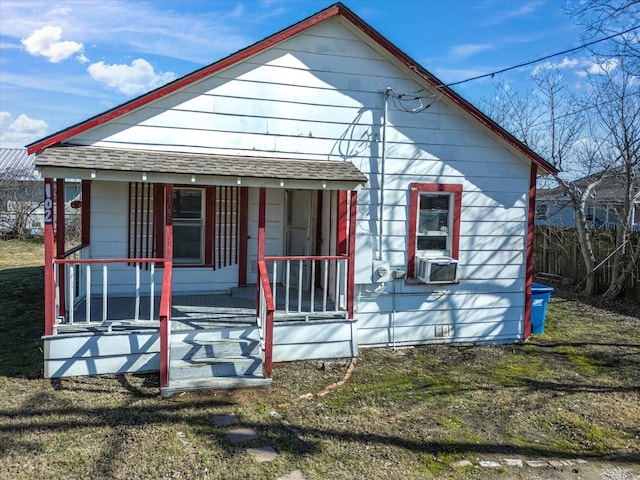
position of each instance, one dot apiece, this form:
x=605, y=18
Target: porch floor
x=189, y=312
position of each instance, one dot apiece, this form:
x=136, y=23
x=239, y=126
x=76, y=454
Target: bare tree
x=606, y=18
x=618, y=117
x=597, y=139
x=19, y=203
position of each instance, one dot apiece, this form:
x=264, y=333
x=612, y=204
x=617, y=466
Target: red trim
x=129, y=225
x=529, y=259
x=147, y=239
x=243, y=237
x=165, y=299
x=263, y=281
x=319, y=232
x=341, y=227
x=186, y=80
x=208, y=225
x=415, y=190
x=335, y=10
x=85, y=212
x=49, y=287
x=352, y=254
x=158, y=220
x=60, y=247
x=226, y=224
x=262, y=209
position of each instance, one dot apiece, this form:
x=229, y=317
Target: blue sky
x=63, y=61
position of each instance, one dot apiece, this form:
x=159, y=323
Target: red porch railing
x=165, y=324
x=265, y=310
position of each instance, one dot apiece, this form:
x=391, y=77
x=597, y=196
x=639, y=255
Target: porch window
x=434, y=222
x=188, y=224
x=206, y=224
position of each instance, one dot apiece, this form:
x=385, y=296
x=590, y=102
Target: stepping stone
x=537, y=463
x=263, y=454
x=513, y=462
x=557, y=463
x=224, y=420
x=241, y=435
x=295, y=475
x=489, y=464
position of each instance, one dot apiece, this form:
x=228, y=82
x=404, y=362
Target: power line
x=571, y=50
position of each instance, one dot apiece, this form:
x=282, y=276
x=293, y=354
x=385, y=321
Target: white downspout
x=387, y=92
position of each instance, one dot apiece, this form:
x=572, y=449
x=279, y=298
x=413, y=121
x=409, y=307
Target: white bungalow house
x=315, y=193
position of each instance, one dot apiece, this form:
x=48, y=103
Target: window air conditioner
x=437, y=269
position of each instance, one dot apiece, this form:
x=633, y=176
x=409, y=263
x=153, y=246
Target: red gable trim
x=185, y=81
x=337, y=9
x=448, y=92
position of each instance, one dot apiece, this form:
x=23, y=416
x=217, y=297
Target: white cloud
x=603, y=67
x=22, y=130
x=134, y=79
x=565, y=63
x=47, y=42
x=468, y=49
x=4, y=116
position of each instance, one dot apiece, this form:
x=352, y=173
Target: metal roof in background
x=18, y=164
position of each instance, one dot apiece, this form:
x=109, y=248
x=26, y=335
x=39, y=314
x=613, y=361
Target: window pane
x=186, y=242
x=434, y=213
x=187, y=203
x=430, y=201
x=432, y=243
x=432, y=221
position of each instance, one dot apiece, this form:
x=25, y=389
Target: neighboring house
x=20, y=193
x=313, y=194
x=554, y=208
x=21, y=204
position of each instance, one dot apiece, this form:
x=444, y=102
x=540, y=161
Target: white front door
x=300, y=233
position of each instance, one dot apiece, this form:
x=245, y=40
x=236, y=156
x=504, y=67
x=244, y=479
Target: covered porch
x=225, y=336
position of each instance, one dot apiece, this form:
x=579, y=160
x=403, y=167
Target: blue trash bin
x=540, y=295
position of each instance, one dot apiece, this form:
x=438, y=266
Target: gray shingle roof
x=198, y=164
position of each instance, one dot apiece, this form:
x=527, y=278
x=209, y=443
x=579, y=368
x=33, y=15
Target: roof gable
x=349, y=19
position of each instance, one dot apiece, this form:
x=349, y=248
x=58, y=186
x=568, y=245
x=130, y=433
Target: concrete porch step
x=182, y=385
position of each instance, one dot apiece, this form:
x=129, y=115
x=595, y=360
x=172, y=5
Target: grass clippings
x=415, y=413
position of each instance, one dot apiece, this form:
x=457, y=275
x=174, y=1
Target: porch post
x=261, y=222
x=85, y=212
x=341, y=234
x=165, y=314
x=243, y=236
x=529, y=251
x=60, y=246
x=351, y=262
x=262, y=208
x=49, y=287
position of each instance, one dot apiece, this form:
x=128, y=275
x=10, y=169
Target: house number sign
x=48, y=202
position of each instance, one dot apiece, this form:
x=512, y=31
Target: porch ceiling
x=167, y=167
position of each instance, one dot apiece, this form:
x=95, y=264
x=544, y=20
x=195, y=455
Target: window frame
x=454, y=191
x=190, y=222
x=542, y=210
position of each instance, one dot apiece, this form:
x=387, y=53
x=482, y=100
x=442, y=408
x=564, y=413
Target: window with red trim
x=434, y=222
x=206, y=224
